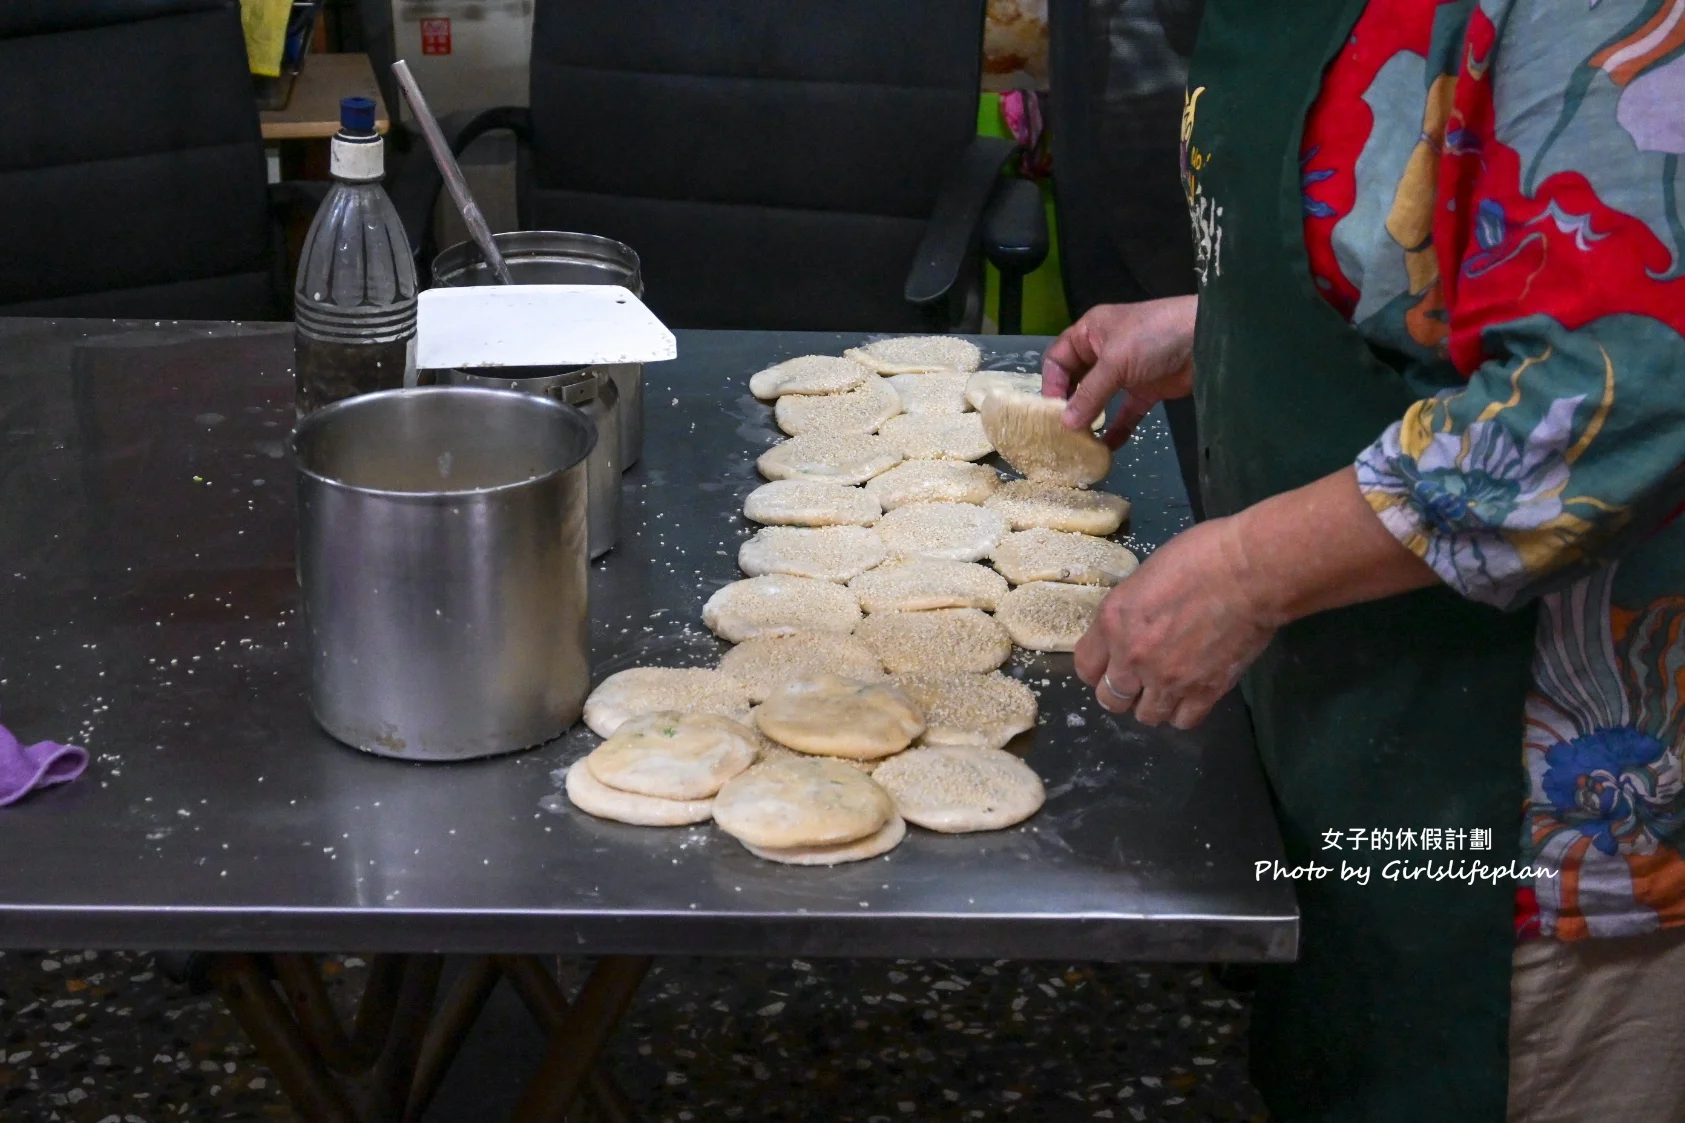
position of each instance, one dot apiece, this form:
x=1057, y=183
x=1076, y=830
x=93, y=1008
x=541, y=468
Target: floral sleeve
x=1539, y=226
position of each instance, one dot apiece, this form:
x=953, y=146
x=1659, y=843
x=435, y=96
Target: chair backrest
x=1117, y=70
x=774, y=163
x=132, y=177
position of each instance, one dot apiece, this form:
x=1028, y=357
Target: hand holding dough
x=1029, y=432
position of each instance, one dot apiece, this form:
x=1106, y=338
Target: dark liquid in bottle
x=325, y=372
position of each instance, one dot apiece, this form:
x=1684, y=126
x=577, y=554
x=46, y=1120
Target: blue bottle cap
x=356, y=115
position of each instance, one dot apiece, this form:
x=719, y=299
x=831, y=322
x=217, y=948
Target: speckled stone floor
x=105, y=1038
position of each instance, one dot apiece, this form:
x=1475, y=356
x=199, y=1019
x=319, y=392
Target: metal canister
x=594, y=393
x=442, y=559
x=559, y=257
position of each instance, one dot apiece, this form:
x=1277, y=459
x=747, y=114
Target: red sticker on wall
x=436, y=36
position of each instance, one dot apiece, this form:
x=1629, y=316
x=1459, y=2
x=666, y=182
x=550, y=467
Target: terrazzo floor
x=106, y=1038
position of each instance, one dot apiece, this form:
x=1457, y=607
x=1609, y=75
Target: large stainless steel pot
x=442, y=558
x=558, y=257
x=594, y=392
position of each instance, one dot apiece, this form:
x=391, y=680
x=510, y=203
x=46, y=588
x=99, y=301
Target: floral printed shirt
x=1493, y=196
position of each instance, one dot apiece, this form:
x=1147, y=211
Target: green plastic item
x=1045, y=312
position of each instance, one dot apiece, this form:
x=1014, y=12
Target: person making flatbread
x=1436, y=355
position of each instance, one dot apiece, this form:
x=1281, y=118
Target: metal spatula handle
x=476, y=222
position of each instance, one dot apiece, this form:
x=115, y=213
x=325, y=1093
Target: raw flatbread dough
x=829, y=553
x=669, y=755
x=813, y=801
x=764, y=662
x=981, y=384
x=943, y=392
x=933, y=481
x=970, y=711
x=957, y=790
x=1040, y=554
x=846, y=458
x=957, y=531
x=645, y=690
x=1026, y=503
x=808, y=374
x=943, y=639
x=937, y=436
x=779, y=604
x=811, y=503
x=886, y=839
x=918, y=354
x=594, y=797
x=857, y=411
x=1028, y=431
x=918, y=584
x=1049, y=615
x=829, y=715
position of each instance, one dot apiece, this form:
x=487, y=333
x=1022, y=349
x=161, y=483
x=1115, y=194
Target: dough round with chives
x=937, y=392
x=1028, y=503
x=812, y=801
x=1049, y=615
x=933, y=481
x=959, y=790
x=1040, y=554
x=957, y=531
x=943, y=639
x=885, y=839
x=969, y=710
x=1029, y=432
x=828, y=553
x=918, y=354
x=779, y=604
x=919, y=583
x=938, y=436
x=644, y=690
x=762, y=664
x=594, y=797
x=811, y=503
x=839, y=458
x=669, y=755
x=856, y=411
x=829, y=715
x=808, y=374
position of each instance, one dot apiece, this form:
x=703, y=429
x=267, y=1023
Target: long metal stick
x=476, y=222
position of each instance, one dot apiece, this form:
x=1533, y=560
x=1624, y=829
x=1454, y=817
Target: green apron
x=1403, y=713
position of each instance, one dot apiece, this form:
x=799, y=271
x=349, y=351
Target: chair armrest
x=951, y=235
x=414, y=186
x=1015, y=227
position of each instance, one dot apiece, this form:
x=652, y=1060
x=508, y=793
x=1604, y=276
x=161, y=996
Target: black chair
x=796, y=165
x=1118, y=69
x=132, y=175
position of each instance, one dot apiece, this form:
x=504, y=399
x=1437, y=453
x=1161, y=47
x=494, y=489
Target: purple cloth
x=24, y=768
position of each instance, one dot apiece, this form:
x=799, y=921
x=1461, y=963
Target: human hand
x=1144, y=350
x=1176, y=635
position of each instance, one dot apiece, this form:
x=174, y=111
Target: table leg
x=456, y=1017
x=542, y=996
x=270, y=1027
x=578, y=1041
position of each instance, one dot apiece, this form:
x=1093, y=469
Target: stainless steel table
x=148, y=611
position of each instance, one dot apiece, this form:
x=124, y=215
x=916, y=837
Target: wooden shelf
x=312, y=113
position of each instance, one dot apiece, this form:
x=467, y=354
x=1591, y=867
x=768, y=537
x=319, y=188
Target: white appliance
x=466, y=54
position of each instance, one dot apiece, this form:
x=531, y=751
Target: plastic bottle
x=354, y=299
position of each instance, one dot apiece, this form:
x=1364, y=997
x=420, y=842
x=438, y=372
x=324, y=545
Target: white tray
x=537, y=326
